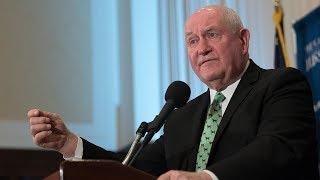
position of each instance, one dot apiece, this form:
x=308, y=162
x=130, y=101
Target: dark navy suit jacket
x=267, y=132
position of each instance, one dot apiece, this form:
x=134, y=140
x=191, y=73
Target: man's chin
x=210, y=76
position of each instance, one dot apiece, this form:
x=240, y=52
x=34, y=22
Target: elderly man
x=250, y=124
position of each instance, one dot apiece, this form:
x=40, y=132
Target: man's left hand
x=184, y=175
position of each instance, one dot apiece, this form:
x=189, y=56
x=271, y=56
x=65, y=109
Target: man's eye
x=192, y=41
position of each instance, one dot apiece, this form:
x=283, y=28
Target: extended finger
x=39, y=120
x=37, y=128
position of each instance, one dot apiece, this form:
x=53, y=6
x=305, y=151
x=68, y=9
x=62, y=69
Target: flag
x=280, y=52
x=308, y=57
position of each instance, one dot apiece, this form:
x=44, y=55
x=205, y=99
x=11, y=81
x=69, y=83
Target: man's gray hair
x=230, y=16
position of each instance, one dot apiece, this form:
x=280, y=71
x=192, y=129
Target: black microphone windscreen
x=179, y=92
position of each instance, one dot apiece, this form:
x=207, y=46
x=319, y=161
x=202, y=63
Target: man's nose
x=204, y=48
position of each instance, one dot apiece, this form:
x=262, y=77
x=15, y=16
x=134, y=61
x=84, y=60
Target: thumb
x=40, y=113
x=34, y=113
x=49, y=114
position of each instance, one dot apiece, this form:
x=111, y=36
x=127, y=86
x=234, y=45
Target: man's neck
x=221, y=84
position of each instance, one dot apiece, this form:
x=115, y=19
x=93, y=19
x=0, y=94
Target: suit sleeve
x=151, y=159
x=285, y=137
x=91, y=151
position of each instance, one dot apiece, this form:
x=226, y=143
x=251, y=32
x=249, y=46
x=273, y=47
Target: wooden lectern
x=97, y=169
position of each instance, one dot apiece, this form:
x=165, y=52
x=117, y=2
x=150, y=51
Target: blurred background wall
x=105, y=65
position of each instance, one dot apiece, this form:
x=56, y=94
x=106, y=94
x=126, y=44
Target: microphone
x=176, y=96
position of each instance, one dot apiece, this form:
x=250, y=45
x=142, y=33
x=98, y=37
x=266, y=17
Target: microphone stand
x=146, y=140
x=152, y=128
x=139, y=134
x=177, y=95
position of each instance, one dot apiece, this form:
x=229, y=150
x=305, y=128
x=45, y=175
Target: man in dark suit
x=251, y=123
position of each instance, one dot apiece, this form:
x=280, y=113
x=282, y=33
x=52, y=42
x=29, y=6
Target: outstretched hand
x=49, y=131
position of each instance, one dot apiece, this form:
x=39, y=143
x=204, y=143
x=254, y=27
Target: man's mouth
x=205, y=60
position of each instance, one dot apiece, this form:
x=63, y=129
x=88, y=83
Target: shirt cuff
x=213, y=176
x=78, y=152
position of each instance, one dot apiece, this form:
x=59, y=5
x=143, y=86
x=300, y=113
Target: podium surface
x=97, y=169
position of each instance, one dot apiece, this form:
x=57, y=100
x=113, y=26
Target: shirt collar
x=229, y=90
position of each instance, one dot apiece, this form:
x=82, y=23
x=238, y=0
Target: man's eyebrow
x=188, y=33
x=209, y=28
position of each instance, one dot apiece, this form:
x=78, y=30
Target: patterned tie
x=209, y=131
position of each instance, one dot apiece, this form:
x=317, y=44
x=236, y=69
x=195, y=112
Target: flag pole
x=277, y=18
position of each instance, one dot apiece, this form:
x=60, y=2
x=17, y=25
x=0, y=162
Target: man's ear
x=245, y=37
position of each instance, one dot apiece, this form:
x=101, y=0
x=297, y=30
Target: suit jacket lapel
x=241, y=92
x=199, y=115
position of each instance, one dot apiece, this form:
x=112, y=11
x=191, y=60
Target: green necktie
x=209, y=131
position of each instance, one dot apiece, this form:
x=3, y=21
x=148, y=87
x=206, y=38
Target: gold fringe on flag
x=277, y=18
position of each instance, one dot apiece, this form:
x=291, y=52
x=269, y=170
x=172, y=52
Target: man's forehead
x=202, y=16
x=203, y=13
x=207, y=10
x=210, y=11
